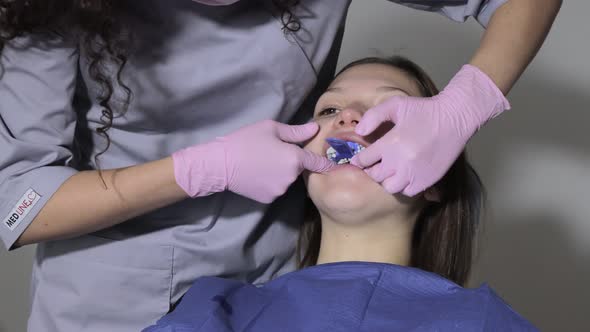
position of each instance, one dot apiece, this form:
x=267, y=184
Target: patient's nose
x=348, y=118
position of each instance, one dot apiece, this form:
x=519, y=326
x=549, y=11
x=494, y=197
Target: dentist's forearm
x=83, y=205
x=513, y=37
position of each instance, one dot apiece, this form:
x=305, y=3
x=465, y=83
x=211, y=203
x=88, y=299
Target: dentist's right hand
x=259, y=161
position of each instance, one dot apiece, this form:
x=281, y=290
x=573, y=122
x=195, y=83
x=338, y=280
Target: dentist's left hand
x=429, y=133
x=259, y=161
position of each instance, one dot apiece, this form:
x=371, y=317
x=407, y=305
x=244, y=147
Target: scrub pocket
x=96, y=284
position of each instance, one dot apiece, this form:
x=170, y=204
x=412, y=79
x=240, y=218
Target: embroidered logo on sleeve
x=21, y=209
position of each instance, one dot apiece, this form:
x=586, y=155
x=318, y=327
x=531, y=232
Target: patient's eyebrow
x=384, y=88
x=392, y=88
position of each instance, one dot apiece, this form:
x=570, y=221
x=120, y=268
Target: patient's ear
x=432, y=195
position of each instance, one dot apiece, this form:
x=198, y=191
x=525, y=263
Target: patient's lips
x=352, y=137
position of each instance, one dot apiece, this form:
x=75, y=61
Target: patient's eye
x=328, y=111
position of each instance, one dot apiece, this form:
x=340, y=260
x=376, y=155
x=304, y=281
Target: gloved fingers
x=412, y=190
x=369, y=156
x=396, y=183
x=427, y=179
x=298, y=133
x=373, y=118
x=379, y=172
x=314, y=162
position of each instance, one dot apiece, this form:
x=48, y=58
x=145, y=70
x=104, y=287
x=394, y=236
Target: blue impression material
x=344, y=149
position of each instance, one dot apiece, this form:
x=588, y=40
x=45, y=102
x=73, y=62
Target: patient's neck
x=383, y=241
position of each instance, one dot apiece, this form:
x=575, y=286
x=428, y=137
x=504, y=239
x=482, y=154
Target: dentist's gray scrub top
x=196, y=72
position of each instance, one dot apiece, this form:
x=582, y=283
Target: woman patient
x=370, y=261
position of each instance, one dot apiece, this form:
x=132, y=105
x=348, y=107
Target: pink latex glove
x=216, y=2
x=429, y=133
x=259, y=161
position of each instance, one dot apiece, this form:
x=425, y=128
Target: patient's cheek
x=311, y=144
x=308, y=145
x=316, y=143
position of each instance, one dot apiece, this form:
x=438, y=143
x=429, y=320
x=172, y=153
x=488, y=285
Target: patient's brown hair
x=445, y=232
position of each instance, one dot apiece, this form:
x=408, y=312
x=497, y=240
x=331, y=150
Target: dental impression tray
x=341, y=151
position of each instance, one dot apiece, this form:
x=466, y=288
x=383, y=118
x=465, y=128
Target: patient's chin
x=346, y=189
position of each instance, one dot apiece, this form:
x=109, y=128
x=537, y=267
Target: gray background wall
x=534, y=159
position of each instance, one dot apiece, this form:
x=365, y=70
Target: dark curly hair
x=102, y=33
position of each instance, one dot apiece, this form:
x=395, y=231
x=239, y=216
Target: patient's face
x=348, y=189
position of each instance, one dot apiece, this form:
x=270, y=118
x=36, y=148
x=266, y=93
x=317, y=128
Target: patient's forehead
x=368, y=76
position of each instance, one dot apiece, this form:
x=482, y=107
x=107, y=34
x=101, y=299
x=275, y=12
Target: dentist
x=115, y=113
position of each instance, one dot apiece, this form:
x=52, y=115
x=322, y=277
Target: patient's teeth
x=331, y=153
